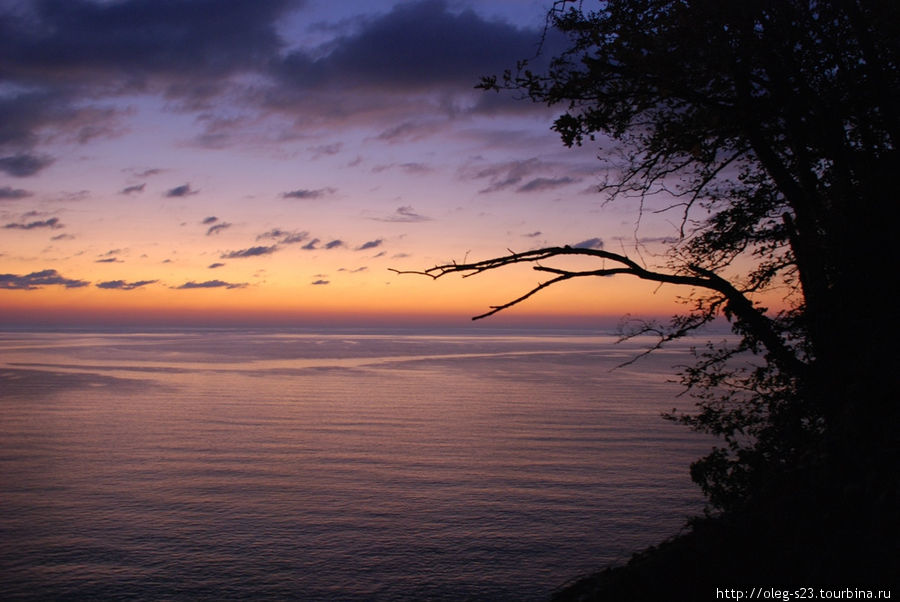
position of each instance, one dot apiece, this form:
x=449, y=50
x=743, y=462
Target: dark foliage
x=773, y=126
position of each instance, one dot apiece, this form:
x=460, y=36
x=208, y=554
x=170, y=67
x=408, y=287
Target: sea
x=235, y=464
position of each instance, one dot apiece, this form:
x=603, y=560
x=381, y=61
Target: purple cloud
x=13, y=194
x=541, y=184
x=370, y=245
x=215, y=229
x=591, y=243
x=52, y=223
x=306, y=194
x=180, y=191
x=23, y=165
x=404, y=214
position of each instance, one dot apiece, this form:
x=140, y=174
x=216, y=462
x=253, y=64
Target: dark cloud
x=12, y=194
x=305, y=194
x=209, y=220
x=591, y=243
x=36, y=280
x=210, y=284
x=23, y=165
x=121, y=285
x=52, y=223
x=251, y=252
x=215, y=229
x=138, y=188
x=62, y=237
x=320, y=282
x=213, y=266
x=540, y=184
x=534, y=234
x=334, y=244
x=370, y=245
x=404, y=214
x=180, y=191
x=418, y=45
x=69, y=57
x=311, y=245
x=135, y=41
x=108, y=260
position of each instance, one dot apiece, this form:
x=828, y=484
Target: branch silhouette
x=733, y=302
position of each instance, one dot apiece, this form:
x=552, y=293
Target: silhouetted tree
x=773, y=125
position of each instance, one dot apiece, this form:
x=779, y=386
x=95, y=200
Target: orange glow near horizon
x=391, y=299
x=279, y=199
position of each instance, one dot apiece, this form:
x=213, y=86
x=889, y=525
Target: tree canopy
x=772, y=126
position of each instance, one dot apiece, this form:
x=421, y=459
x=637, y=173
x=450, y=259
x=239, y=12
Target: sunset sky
x=207, y=161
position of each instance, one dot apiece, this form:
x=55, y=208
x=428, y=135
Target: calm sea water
x=239, y=464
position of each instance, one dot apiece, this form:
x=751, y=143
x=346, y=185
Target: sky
x=270, y=161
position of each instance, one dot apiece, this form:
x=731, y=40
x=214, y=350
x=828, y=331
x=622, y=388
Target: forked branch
x=734, y=302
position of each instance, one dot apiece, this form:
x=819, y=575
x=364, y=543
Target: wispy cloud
x=137, y=188
x=216, y=228
x=372, y=244
x=52, y=223
x=320, y=282
x=541, y=184
x=37, y=280
x=8, y=193
x=284, y=237
x=146, y=173
x=122, y=285
x=251, y=252
x=24, y=164
x=211, y=284
x=404, y=214
x=591, y=243
x=180, y=191
x=307, y=194
x=410, y=168
x=215, y=265
x=334, y=244
x=324, y=150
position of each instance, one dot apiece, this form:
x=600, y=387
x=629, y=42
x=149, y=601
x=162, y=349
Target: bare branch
x=733, y=302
